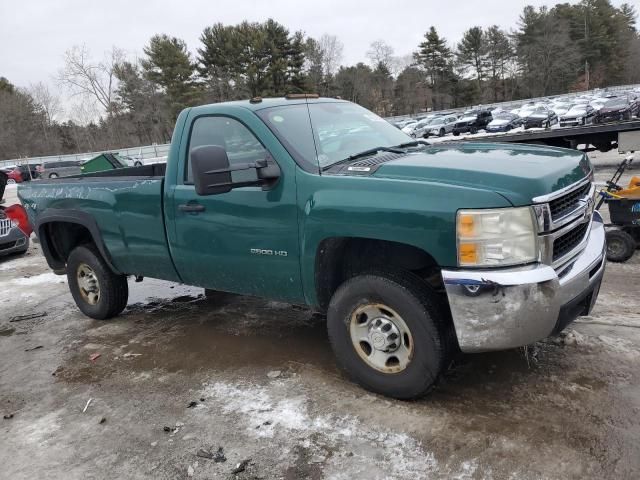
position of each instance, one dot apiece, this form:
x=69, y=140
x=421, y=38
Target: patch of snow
x=49, y=277
x=15, y=263
x=276, y=415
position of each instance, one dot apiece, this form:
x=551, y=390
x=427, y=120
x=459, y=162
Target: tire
x=53, y=175
x=456, y=133
x=441, y=132
x=620, y=246
x=137, y=163
x=473, y=130
x=86, y=262
x=547, y=125
x=413, y=308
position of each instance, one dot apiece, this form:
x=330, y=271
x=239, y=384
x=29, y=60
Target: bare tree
x=48, y=101
x=380, y=52
x=331, y=48
x=86, y=77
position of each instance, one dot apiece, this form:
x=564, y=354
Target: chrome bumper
x=506, y=308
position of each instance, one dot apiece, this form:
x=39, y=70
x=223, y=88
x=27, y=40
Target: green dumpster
x=104, y=161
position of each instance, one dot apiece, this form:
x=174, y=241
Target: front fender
x=417, y=213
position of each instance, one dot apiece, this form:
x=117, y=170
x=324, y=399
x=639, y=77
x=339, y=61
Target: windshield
x=437, y=121
x=331, y=132
x=503, y=116
x=615, y=103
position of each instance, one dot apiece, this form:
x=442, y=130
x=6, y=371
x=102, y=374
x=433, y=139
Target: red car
x=14, y=173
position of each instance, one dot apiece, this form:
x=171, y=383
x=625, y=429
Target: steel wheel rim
x=615, y=247
x=381, y=338
x=88, y=284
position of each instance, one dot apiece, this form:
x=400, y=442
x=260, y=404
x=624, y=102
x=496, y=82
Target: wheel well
x=60, y=238
x=341, y=258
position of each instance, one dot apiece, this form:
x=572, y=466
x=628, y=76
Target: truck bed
x=127, y=205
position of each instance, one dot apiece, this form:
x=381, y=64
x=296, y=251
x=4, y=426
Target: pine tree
x=436, y=59
x=168, y=65
x=472, y=54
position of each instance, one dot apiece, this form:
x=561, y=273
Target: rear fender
x=55, y=215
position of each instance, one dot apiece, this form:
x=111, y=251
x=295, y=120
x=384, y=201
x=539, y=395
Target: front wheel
x=53, y=175
x=98, y=292
x=388, y=332
x=620, y=246
x=441, y=132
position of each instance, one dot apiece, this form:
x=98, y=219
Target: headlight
x=496, y=237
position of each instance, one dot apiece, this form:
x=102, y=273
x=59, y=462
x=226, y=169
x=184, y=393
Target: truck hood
x=517, y=172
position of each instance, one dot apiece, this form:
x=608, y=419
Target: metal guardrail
x=138, y=153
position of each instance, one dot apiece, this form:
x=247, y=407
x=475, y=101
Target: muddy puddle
x=192, y=334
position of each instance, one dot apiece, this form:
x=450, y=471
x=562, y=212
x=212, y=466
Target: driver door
x=242, y=241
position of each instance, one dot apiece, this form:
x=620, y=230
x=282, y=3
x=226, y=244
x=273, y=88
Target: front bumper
x=15, y=241
x=534, y=123
x=512, y=307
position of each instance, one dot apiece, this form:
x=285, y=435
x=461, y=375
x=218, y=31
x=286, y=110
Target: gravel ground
x=177, y=375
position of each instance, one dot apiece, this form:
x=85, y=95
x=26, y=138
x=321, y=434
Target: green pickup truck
x=414, y=251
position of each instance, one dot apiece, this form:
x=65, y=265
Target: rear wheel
x=456, y=133
x=441, y=132
x=620, y=246
x=98, y=292
x=53, y=175
x=389, y=333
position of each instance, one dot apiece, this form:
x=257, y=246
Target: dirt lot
x=257, y=378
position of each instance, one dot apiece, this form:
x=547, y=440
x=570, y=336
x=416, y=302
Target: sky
x=34, y=34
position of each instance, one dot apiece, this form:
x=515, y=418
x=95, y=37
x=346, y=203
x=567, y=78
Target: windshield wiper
x=415, y=143
x=364, y=153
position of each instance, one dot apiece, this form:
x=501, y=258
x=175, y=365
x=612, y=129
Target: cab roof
x=259, y=103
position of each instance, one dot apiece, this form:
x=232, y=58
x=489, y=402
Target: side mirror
x=211, y=172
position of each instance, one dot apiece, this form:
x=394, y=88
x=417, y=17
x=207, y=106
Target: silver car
x=63, y=168
x=439, y=126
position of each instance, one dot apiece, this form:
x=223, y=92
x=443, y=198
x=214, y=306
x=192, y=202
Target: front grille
x=570, y=240
x=7, y=246
x=5, y=226
x=565, y=204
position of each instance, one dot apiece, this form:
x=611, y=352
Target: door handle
x=191, y=208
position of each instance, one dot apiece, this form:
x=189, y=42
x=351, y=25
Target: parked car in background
x=404, y=123
x=14, y=175
x=62, y=168
x=619, y=108
x=560, y=108
x=3, y=184
x=503, y=122
x=472, y=121
x=21, y=173
x=579, y=114
x=539, y=117
x=439, y=126
x=14, y=230
x=419, y=126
